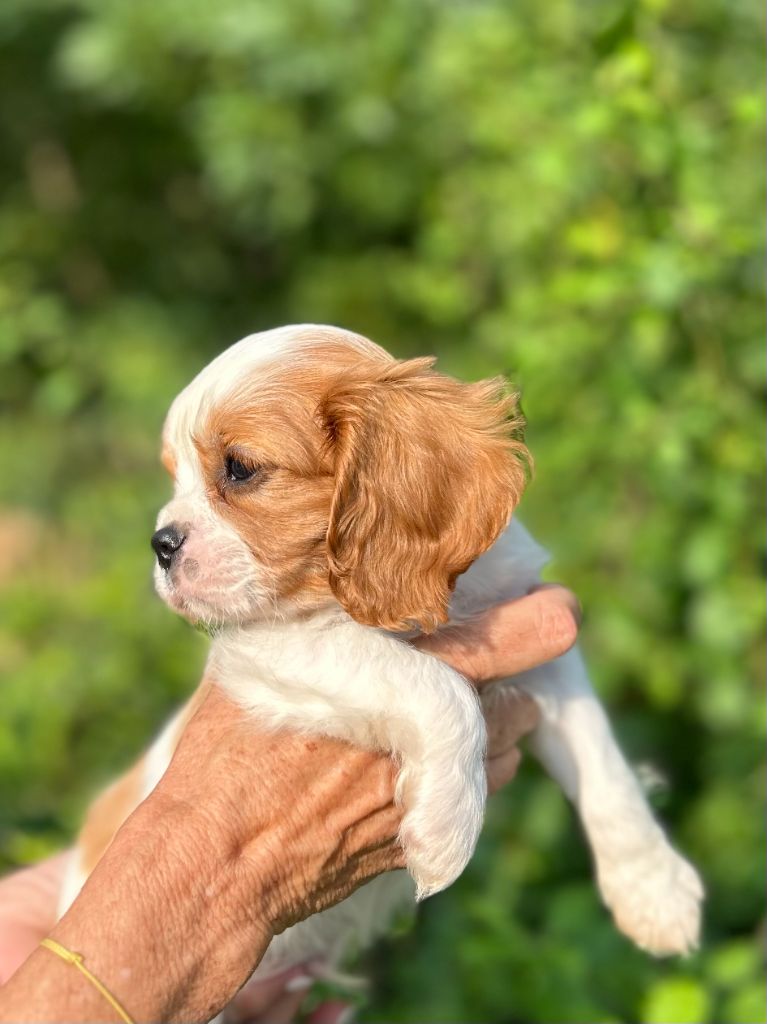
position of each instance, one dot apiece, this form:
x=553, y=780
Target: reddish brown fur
x=383, y=480
x=428, y=472
x=111, y=808
x=168, y=459
x=107, y=813
x=283, y=518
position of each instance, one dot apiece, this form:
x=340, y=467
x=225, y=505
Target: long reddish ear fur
x=428, y=472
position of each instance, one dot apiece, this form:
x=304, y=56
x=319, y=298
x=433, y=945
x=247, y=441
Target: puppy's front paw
x=441, y=826
x=655, y=897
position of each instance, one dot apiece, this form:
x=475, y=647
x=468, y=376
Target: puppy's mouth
x=207, y=598
x=189, y=569
x=206, y=573
x=176, y=586
x=197, y=609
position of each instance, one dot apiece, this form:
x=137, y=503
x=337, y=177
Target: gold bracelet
x=76, y=959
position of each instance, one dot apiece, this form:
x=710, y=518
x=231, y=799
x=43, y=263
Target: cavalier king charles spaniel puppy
x=330, y=500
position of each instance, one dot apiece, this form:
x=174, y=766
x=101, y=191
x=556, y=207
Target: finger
x=34, y=891
x=376, y=830
x=510, y=637
x=563, y=594
x=283, y=1010
x=509, y=716
x=332, y=1012
x=522, y=634
x=502, y=769
x=258, y=995
x=28, y=904
x=361, y=867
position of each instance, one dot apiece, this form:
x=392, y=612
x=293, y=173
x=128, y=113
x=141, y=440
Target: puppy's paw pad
x=656, y=900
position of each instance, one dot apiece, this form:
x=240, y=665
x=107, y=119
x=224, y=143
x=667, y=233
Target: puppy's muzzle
x=167, y=543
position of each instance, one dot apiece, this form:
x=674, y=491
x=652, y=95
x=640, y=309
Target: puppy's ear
x=428, y=471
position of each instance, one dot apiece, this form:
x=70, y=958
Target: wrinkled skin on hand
x=349, y=803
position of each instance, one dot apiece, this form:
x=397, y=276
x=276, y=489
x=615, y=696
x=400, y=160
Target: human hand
x=28, y=902
x=503, y=641
x=507, y=639
x=352, y=790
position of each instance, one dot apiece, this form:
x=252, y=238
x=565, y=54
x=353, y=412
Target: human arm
x=179, y=885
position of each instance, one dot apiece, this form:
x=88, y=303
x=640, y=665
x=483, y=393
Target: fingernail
x=299, y=984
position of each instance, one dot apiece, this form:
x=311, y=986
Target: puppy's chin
x=217, y=606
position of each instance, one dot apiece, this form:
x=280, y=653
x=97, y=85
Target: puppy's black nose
x=166, y=543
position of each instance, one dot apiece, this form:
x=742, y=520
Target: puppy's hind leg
x=653, y=893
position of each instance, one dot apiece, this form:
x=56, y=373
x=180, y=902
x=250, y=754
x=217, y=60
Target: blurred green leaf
x=676, y=1001
x=566, y=193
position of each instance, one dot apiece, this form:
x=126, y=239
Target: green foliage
x=567, y=192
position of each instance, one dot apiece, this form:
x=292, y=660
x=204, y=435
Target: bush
x=566, y=192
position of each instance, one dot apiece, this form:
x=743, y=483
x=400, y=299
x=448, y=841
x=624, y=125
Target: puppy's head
x=311, y=466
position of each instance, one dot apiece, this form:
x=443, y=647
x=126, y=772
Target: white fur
x=328, y=674
x=333, y=676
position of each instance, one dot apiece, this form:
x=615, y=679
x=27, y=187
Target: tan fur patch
x=271, y=421
x=112, y=807
x=428, y=473
x=107, y=813
x=377, y=481
x=168, y=459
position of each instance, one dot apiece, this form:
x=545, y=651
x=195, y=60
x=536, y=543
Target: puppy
x=329, y=499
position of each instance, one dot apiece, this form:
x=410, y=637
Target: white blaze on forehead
x=227, y=371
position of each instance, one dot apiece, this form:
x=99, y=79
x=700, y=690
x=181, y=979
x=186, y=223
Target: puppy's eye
x=237, y=470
